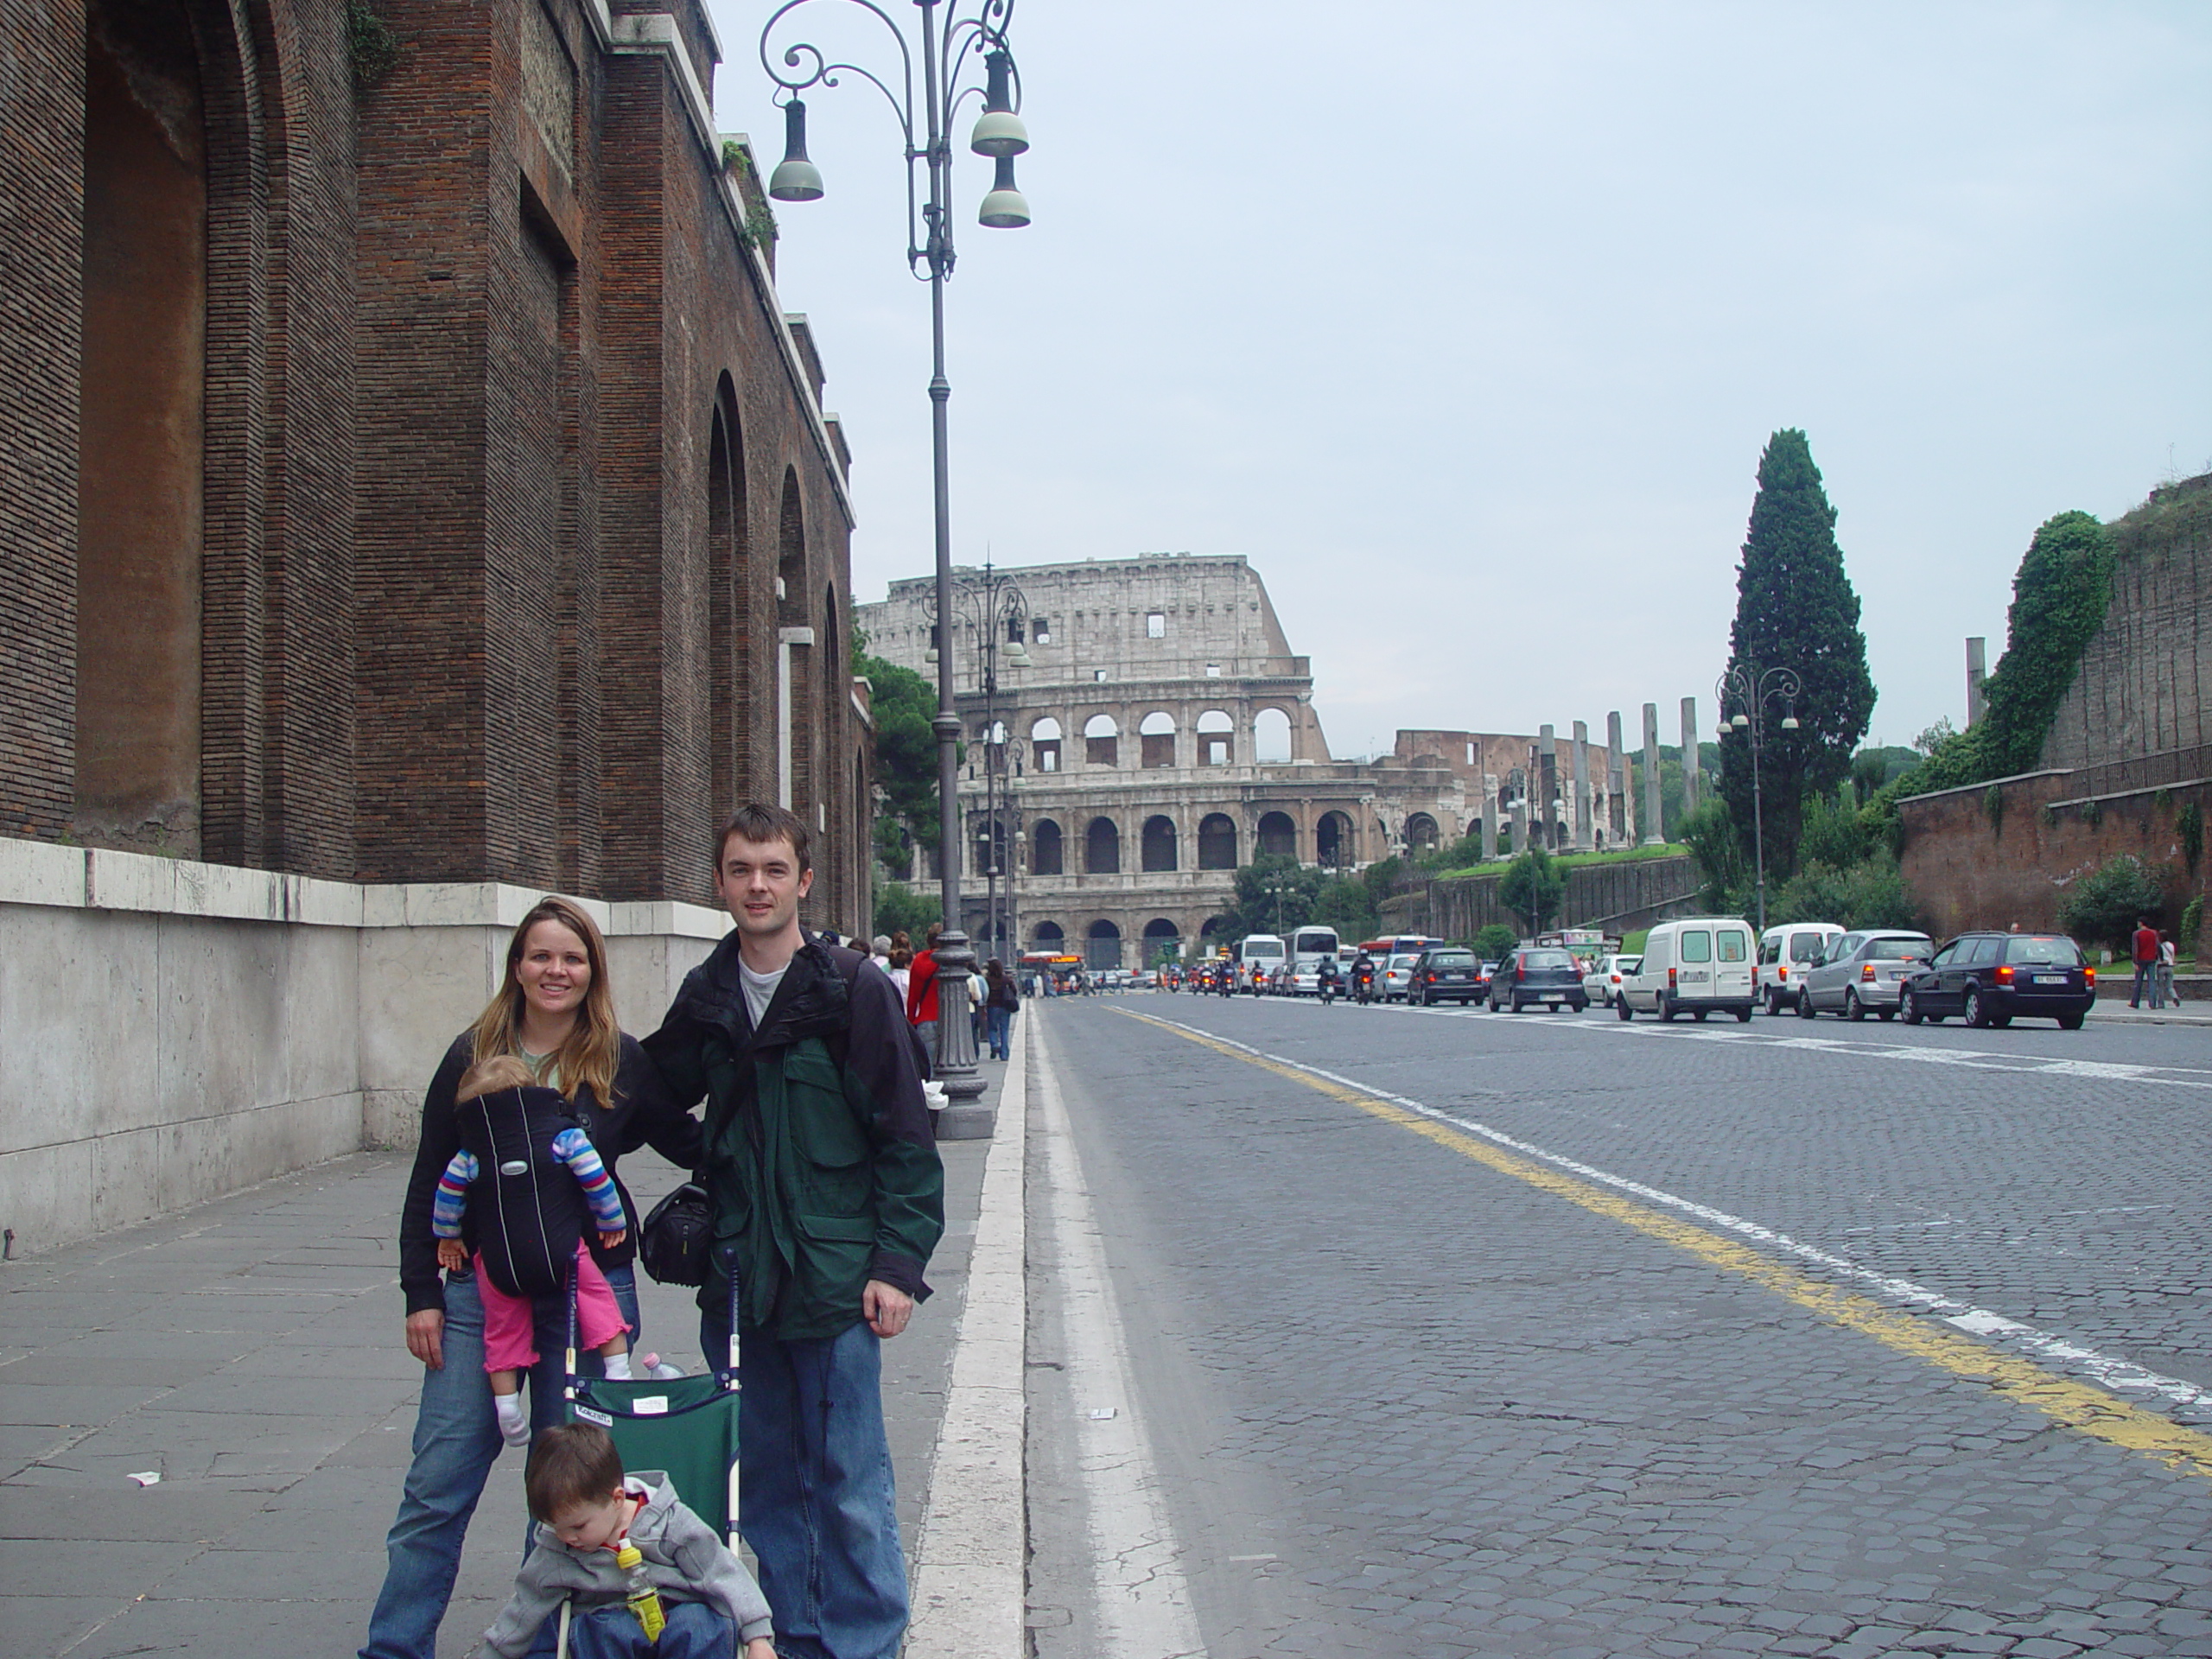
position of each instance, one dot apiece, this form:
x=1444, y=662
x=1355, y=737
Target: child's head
x=573, y=1484
x=490, y=1076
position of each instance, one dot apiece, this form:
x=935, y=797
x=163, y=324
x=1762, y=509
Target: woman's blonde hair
x=593, y=1049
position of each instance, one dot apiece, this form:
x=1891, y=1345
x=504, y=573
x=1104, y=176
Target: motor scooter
x=1362, y=986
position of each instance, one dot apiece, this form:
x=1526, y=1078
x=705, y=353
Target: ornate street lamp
x=995, y=612
x=1751, y=689
x=960, y=39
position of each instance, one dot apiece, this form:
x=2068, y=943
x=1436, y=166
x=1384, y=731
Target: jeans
x=927, y=1030
x=694, y=1631
x=457, y=1441
x=1001, y=1026
x=2146, y=974
x=815, y=1495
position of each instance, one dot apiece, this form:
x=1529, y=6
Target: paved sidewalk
x=2115, y=1011
x=249, y=1352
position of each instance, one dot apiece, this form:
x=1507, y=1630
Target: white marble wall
x=172, y=1031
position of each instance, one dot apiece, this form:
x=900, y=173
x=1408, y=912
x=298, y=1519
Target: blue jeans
x=457, y=1441
x=815, y=1495
x=694, y=1631
x=1001, y=1027
x=2146, y=976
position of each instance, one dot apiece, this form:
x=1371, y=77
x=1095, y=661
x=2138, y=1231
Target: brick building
x=412, y=475
x=1164, y=734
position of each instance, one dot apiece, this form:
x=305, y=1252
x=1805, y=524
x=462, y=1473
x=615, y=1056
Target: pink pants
x=509, y=1337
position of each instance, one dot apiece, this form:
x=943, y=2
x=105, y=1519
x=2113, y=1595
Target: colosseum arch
x=1278, y=836
x=1212, y=934
x=1217, y=738
x=1102, y=947
x=1216, y=842
x=1158, y=849
x=1101, y=739
x=1156, y=740
x=1045, y=850
x=1101, y=847
x=1161, y=938
x=1271, y=736
x=1049, y=935
x=1045, y=745
x=1422, y=833
x=1334, y=840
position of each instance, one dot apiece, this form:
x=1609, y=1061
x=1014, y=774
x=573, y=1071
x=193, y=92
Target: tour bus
x=1258, y=956
x=1308, y=947
x=1398, y=944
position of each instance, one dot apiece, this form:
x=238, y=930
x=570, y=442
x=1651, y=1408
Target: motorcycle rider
x=1363, y=977
x=1329, y=980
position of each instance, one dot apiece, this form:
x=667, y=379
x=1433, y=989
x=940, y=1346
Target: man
x=2147, y=963
x=828, y=1198
x=921, y=993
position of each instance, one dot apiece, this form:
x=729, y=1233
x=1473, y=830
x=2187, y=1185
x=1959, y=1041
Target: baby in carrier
x=531, y=1171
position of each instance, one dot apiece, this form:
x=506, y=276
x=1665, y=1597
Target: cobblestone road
x=1407, y=1385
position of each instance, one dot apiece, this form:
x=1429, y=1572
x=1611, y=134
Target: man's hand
x=426, y=1337
x=885, y=1307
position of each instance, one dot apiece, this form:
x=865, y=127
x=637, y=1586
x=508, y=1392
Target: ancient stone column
x=1654, y=824
x=1548, y=785
x=1582, y=842
x=1490, y=815
x=1691, y=765
x=1977, y=673
x=1618, y=829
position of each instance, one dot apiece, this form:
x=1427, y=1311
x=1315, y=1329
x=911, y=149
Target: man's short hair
x=758, y=822
x=571, y=1463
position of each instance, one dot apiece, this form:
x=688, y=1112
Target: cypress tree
x=1796, y=609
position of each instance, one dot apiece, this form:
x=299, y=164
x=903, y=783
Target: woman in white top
x=902, y=962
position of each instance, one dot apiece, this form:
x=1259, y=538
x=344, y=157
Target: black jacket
x=643, y=1115
x=821, y=1159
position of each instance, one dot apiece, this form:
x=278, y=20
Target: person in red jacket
x=2147, y=963
x=921, y=992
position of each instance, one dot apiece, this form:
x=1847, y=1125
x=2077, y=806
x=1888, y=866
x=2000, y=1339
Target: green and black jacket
x=819, y=1158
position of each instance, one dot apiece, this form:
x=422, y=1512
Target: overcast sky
x=1466, y=322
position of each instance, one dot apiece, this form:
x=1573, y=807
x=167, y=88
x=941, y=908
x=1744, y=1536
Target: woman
x=1000, y=1008
x=902, y=963
x=556, y=1010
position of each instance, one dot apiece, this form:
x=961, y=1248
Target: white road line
x=2104, y=1369
x=1143, y=1601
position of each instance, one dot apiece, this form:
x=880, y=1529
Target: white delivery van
x=1787, y=954
x=1695, y=966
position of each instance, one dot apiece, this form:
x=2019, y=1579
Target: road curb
x=971, y=1560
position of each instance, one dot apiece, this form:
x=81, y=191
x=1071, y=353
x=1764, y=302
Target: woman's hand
x=426, y=1337
x=453, y=1256
x=608, y=1241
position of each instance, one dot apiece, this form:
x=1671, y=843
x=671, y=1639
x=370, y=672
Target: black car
x=1541, y=974
x=1450, y=975
x=1991, y=979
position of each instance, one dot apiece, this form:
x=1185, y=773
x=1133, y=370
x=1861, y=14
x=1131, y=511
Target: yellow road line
x=2076, y=1405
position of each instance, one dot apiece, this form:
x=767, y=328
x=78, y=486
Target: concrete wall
x=1619, y=897
x=177, y=1030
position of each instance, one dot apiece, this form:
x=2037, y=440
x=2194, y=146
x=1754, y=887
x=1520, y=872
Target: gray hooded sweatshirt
x=685, y=1558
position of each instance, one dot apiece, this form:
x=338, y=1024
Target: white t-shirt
x=759, y=990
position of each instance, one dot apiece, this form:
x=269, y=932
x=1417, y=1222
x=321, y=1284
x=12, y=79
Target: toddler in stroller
x=530, y=1170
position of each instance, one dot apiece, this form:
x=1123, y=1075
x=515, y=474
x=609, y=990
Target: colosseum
x=1152, y=732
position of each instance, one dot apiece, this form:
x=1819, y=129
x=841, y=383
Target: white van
x=1787, y=953
x=1695, y=966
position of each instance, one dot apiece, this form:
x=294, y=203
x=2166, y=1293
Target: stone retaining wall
x=1617, y=896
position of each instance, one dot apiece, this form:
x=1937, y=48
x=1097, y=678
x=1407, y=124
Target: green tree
x=1710, y=833
x=900, y=908
x=1868, y=894
x=1533, y=889
x=903, y=704
x=1493, y=941
x=2059, y=598
x=1345, y=903
x=1274, y=893
x=2103, y=906
x=1796, y=609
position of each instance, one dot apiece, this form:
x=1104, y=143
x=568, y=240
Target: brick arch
x=730, y=633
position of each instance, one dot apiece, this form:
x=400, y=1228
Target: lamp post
x=996, y=614
x=1751, y=689
x=959, y=38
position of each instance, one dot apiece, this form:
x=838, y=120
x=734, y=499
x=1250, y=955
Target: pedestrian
x=879, y=952
x=979, y=994
x=921, y=992
x=2147, y=963
x=828, y=1197
x=1003, y=1003
x=554, y=1009
x=587, y=1509
x=902, y=963
x=2167, y=953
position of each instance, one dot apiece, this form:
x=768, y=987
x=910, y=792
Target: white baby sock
x=514, y=1427
x=618, y=1368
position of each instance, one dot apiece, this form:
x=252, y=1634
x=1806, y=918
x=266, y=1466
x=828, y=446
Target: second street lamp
x=960, y=40
x=1751, y=689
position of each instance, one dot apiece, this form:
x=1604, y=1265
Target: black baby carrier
x=528, y=1206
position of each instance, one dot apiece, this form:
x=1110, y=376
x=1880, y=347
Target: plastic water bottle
x=644, y=1599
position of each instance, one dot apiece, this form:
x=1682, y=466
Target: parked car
x=1785, y=954
x=1483, y=972
x=1603, y=982
x=1446, y=975
x=1539, y=974
x=1861, y=974
x=1697, y=966
x=1991, y=979
x=1398, y=977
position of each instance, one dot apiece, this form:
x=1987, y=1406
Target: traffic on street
x=1405, y=1331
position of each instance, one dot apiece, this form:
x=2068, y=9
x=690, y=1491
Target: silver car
x=1398, y=978
x=1861, y=973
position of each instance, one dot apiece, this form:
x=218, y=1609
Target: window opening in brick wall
x=1217, y=738
x=1102, y=848
x=1157, y=732
x=1101, y=741
x=1045, y=849
x=1159, y=846
x=1156, y=624
x=1217, y=842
